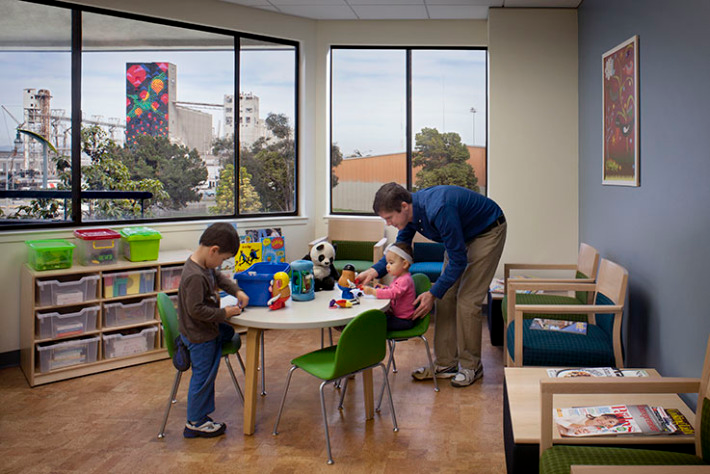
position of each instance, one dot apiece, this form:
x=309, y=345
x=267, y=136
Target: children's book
x=596, y=372
x=574, y=327
x=248, y=255
x=273, y=250
x=609, y=421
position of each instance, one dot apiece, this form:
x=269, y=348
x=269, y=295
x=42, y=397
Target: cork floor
x=109, y=422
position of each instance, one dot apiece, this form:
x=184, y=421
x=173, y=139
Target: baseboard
x=9, y=359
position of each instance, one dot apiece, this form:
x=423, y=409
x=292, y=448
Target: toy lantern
x=302, y=280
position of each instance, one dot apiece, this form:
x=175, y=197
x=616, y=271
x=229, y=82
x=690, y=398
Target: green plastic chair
x=168, y=316
x=361, y=346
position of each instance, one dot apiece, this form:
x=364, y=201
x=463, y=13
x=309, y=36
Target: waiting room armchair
x=558, y=459
x=428, y=257
x=359, y=242
x=600, y=347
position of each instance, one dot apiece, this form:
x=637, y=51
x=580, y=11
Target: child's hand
x=369, y=290
x=233, y=311
x=243, y=299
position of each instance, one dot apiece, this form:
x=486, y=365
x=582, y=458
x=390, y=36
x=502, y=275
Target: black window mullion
x=408, y=101
x=76, y=116
x=236, y=123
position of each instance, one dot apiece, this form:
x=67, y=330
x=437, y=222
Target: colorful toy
x=302, y=280
x=322, y=255
x=280, y=291
x=343, y=303
x=345, y=283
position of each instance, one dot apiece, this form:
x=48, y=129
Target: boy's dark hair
x=222, y=235
x=389, y=198
x=406, y=247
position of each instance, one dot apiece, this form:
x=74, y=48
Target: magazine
x=498, y=286
x=596, y=372
x=609, y=421
x=680, y=422
x=573, y=327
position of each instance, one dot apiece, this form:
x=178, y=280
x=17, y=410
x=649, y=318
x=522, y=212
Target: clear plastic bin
x=122, y=345
x=135, y=282
x=123, y=314
x=67, y=324
x=65, y=354
x=174, y=299
x=55, y=292
x=170, y=278
x=97, y=246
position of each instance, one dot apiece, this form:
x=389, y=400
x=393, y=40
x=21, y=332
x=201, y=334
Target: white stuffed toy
x=323, y=254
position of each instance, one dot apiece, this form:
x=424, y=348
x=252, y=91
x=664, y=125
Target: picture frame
x=620, y=119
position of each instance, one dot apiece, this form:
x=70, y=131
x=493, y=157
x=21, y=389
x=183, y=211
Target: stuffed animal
x=322, y=254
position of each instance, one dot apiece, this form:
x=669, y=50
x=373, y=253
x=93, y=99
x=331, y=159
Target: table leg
x=367, y=388
x=252, y=362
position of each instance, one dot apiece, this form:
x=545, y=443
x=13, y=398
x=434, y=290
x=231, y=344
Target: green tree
x=443, y=159
x=180, y=169
x=248, y=199
x=336, y=157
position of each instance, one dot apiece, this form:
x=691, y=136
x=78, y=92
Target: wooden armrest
x=531, y=284
x=317, y=241
x=568, y=308
x=379, y=250
x=602, y=385
x=540, y=266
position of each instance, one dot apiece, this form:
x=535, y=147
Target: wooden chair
x=558, y=459
x=359, y=242
x=600, y=347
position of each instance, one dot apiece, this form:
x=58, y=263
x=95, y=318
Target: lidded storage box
x=49, y=254
x=97, y=246
x=139, y=244
x=254, y=281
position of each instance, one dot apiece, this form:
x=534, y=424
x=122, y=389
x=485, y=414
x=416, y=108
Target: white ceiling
x=397, y=9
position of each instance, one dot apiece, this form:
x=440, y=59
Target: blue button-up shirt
x=453, y=216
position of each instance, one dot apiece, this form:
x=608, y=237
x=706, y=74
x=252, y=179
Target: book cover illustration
x=610, y=420
x=596, y=372
x=257, y=235
x=680, y=422
x=273, y=250
x=573, y=327
x=248, y=255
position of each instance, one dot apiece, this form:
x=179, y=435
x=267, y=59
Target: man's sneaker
x=466, y=377
x=424, y=373
x=205, y=428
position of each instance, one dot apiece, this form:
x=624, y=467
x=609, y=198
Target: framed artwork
x=620, y=125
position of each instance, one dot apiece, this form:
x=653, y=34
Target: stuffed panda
x=322, y=255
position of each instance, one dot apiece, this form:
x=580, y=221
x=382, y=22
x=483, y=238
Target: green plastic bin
x=140, y=243
x=49, y=254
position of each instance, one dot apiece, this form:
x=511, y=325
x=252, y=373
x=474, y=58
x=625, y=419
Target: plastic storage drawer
x=67, y=324
x=55, y=292
x=65, y=354
x=129, y=283
x=170, y=278
x=122, y=345
x=123, y=314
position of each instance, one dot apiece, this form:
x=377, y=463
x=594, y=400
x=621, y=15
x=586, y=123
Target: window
x=433, y=132
x=156, y=136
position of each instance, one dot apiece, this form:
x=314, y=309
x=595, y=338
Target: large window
x=160, y=116
x=414, y=116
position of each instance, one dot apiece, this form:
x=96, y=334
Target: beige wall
x=533, y=123
x=532, y=126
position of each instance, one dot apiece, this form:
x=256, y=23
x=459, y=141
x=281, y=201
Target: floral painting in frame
x=620, y=114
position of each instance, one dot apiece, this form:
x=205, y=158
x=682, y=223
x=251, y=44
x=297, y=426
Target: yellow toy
x=280, y=291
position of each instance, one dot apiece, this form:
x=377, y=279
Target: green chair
x=361, y=346
x=168, y=316
x=557, y=459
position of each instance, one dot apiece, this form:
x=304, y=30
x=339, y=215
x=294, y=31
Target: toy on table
x=322, y=255
x=345, y=283
x=343, y=303
x=280, y=291
x=302, y=280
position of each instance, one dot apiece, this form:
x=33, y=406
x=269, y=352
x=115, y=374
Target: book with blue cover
x=574, y=327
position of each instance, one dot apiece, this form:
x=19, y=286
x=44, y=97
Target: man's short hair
x=389, y=198
x=223, y=235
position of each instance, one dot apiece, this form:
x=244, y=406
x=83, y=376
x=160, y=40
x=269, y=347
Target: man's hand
x=366, y=277
x=425, y=302
x=243, y=299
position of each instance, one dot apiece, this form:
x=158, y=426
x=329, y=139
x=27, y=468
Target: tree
x=336, y=157
x=180, y=169
x=443, y=159
x=248, y=198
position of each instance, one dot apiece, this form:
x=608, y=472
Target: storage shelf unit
x=61, y=298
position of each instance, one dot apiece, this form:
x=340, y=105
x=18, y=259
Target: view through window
x=444, y=111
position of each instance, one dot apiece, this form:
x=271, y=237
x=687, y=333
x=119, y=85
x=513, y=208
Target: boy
x=202, y=323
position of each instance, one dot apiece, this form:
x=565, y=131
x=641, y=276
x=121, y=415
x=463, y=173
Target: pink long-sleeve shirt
x=401, y=294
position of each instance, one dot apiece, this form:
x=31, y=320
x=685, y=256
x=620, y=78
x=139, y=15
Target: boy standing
x=202, y=323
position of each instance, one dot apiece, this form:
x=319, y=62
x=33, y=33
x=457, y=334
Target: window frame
x=408, y=110
x=75, y=219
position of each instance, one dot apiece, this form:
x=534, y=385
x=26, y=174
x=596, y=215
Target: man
x=472, y=228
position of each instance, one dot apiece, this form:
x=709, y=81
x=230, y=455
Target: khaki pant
x=458, y=323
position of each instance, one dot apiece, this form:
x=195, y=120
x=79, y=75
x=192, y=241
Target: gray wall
x=660, y=230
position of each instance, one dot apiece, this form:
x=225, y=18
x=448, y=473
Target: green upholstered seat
x=356, y=253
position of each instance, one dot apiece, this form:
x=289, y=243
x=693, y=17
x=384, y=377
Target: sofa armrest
x=315, y=242
x=379, y=250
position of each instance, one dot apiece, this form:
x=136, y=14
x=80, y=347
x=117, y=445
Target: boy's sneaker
x=466, y=377
x=205, y=428
x=424, y=373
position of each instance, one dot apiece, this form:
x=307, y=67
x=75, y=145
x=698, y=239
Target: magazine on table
x=679, y=421
x=610, y=421
x=596, y=372
x=560, y=325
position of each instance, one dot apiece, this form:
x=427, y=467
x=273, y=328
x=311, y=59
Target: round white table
x=313, y=314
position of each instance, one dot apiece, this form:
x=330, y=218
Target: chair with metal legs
x=168, y=316
x=361, y=346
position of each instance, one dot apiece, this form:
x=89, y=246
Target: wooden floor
x=109, y=422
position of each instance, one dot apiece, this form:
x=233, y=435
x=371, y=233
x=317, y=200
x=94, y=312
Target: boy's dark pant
x=205, y=362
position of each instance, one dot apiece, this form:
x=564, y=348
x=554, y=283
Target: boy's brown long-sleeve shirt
x=199, y=313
